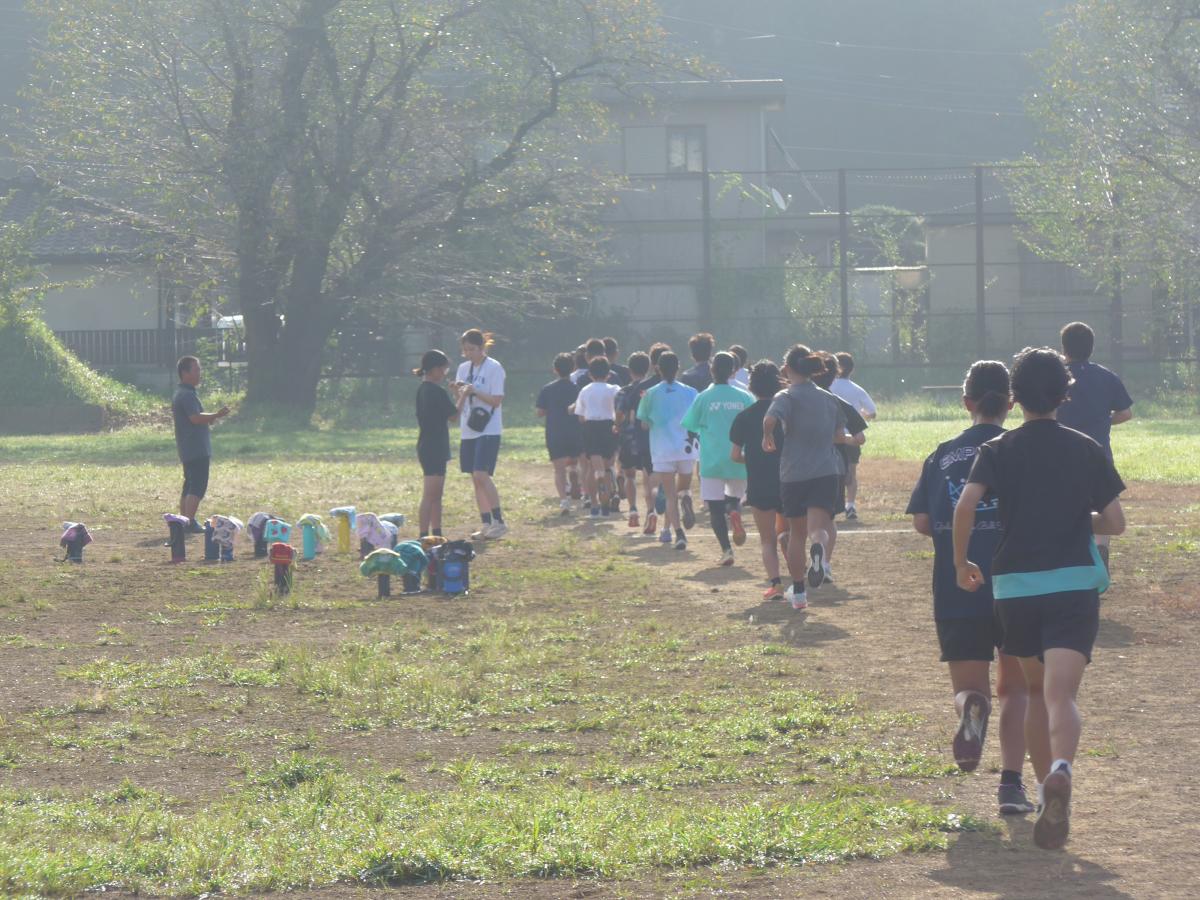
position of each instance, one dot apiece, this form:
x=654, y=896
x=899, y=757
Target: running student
x=1055, y=489
x=854, y=436
x=564, y=438
x=1096, y=401
x=762, y=468
x=858, y=398
x=722, y=480
x=968, y=627
x=655, y=494
x=809, y=466
x=741, y=377
x=619, y=373
x=480, y=386
x=629, y=451
x=595, y=408
x=435, y=412
x=661, y=413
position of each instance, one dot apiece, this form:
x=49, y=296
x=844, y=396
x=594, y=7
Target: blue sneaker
x=665, y=537
x=660, y=501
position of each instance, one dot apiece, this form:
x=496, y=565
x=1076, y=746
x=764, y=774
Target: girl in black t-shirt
x=435, y=412
x=1055, y=489
x=762, y=469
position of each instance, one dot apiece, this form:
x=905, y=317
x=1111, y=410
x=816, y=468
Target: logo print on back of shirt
x=955, y=488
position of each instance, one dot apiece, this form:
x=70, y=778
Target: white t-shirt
x=597, y=402
x=854, y=395
x=488, y=378
x=741, y=378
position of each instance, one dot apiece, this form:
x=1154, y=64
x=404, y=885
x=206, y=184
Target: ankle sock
x=797, y=588
x=1061, y=764
x=497, y=515
x=1008, y=776
x=776, y=582
x=486, y=518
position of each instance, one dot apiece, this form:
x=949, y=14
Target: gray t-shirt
x=192, y=441
x=811, y=417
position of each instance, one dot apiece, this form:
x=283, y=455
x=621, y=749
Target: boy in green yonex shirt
x=722, y=481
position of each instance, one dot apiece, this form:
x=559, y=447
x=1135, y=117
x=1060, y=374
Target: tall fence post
x=843, y=257
x=1117, y=311
x=706, y=304
x=980, y=282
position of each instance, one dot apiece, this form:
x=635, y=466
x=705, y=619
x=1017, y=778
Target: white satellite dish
x=781, y=202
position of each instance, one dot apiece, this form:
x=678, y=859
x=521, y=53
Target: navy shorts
x=851, y=453
x=564, y=446
x=1033, y=625
x=798, y=496
x=479, y=454
x=195, y=477
x=973, y=639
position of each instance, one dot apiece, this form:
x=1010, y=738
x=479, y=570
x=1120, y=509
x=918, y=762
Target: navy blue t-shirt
x=1096, y=394
x=942, y=480
x=555, y=398
x=698, y=376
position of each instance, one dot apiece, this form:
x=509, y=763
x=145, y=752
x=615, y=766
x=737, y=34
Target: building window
x=685, y=149
x=1046, y=278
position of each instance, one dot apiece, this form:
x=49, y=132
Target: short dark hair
x=764, y=379
x=701, y=346
x=825, y=379
x=987, y=385
x=668, y=365
x=594, y=348
x=581, y=358
x=742, y=354
x=657, y=350
x=598, y=368
x=564, y=364
x=1040, y=380
x=802, y=361
x=1078, y=340
x=639, y=363
x=723, y=366
x=611, y=347
x=845, y=363
x=186, y=364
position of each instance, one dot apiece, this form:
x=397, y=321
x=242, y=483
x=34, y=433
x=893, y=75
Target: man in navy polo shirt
x=1096, y=401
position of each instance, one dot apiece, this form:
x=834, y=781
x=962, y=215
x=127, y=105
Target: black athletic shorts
x=629, y=456
x=798, y=496
x=195, y=477
x=1033, y=625
x=840, y=506
x=973, y=639
x=599, y=439
x=851, y=453
x=433, y=460
x=764, y=500
x=565, y=446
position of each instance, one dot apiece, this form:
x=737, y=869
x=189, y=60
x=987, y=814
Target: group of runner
x=1020, y=519
x=608, y=423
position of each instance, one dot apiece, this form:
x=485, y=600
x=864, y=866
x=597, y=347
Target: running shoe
x=660, y=501
x=972, y=729
x=816, y=571
x=615, y=506
x=689, y=514
x=1013, y=801
x=495, y=531
x=828, y=574
x=651, y=523
x=634, y=521
x=194, y=527
x=1054, y=817
x=665, y=536
x=773, y=594
x=595, y=512
x=727, y=558
x=680, y=541
x=737, y=528
x=481, y=534
x=851, y=513
x=564, y=507
x=798, y=601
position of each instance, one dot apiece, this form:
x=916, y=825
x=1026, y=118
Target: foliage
x=1116, y=188
x=415, y=157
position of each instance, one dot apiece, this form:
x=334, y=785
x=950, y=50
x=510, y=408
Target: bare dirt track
x=1135, y=831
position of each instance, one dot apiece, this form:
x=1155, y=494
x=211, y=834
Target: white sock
x=1041, y=793
x=1061, y=762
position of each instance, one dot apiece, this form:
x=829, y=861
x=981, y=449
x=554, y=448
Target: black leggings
x=718, y=511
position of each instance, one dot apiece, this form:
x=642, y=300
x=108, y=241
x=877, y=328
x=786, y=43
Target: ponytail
x=430, y=360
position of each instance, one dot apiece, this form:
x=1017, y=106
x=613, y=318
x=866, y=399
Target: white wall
x=92, y=298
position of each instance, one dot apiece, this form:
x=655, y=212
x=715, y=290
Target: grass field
x=592, y=710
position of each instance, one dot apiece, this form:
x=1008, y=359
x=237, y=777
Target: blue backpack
x=454, y=567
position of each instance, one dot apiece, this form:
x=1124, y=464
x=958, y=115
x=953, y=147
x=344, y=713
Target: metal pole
x=843, y=257
x=980, y=282
x=1117, y=312
x=706, y=300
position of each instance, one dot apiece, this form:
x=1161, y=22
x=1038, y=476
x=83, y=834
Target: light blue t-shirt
x=663, y=409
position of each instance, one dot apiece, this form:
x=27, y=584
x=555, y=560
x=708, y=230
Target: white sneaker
x=495, y=531
x=727, y=558
x=828, y=574
x=564, y=507
x=481, y=533
x=798, y=601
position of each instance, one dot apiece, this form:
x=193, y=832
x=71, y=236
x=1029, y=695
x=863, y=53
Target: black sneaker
x=1054, y=818
x=851, y=513
x=816, y=571
x=972, y=729
x=1013, y=801
x=689, y=513
x=194, y=527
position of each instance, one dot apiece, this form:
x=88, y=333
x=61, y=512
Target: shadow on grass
x=1114, y=634
x=798, y=628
